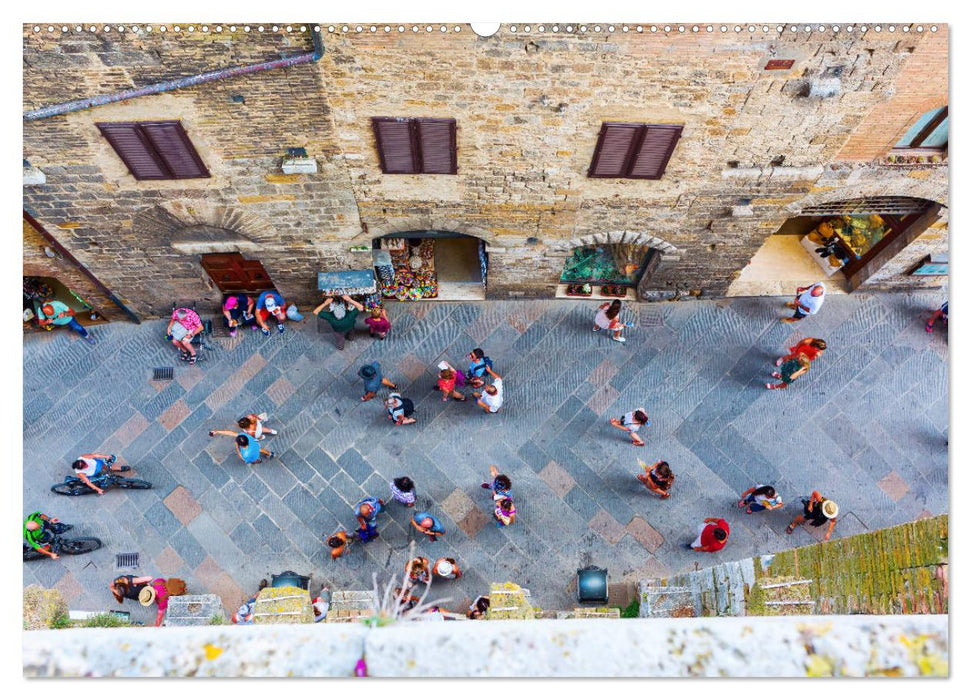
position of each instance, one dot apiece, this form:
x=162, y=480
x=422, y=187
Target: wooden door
x=233, y=273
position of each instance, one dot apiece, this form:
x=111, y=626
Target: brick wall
x=528, y=108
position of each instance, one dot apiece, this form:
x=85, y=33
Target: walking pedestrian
x=159, y=591
x=184, y=325
x=817, y=511
x=657, y=478
x=403, y=491
x=400, y=409
x=490, y=398
x=631, y=423
x=374, y=380
x=341, y=314
x=760, y=497
x=446, y=382
x=270, y=303
x=367, y=510
x=712, y=536
x=939, y=315
x=417, y=571
x=237, y=310
x=338, y=543
x=447, y=568
x=504, y=511
x=808, y=301
x=607, y=318
x=55, y=313
x=427, y=524
x=479, y=607
x=247, y=447
x=478, y=364
x=252, y=424
x=789, y=371
x=501, y=485
x=378, y=323
x=812, y=348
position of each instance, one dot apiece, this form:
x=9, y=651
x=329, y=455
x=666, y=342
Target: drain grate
x=126, y=560
x=163, y=374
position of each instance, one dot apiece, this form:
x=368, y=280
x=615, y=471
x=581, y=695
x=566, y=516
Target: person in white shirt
x=808, y=302
x=490, y=399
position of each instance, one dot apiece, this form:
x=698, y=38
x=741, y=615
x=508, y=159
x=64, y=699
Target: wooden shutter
x=640, y=151
x=655, y=151
x=437, y=142
x=154, y=150
x=613, y=149
x=176, y=150
x=396, y=146
x=135, y=151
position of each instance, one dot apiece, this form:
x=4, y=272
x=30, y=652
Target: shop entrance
x=37, y=290
x=843, y=243
x=608, y=271
x=431, y=265
x=232, y=273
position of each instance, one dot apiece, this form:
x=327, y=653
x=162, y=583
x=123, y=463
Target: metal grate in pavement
x=126, y=560
x=163, y=374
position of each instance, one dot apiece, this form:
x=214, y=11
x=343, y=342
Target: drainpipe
x=178, y=83
x=67, y=254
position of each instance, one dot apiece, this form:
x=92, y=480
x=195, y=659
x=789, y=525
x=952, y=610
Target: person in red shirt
x=712, y=536
x=446, y=383
x=812, y=348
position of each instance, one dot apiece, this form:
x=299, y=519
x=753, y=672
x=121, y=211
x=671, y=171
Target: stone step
x=193, y=610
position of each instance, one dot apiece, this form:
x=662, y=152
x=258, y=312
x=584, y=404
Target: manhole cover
x=163, y=374
x=127, y=560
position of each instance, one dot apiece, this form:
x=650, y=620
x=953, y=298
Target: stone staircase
x=350, y=606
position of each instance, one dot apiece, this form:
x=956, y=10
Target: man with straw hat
x=446, y=568
x=817, y=511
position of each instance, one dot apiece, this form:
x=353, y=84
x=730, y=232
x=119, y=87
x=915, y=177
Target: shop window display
x=614, y=266
x=413, y=264
x=844, y=238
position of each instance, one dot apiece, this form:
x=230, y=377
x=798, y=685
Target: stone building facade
x=758, y=147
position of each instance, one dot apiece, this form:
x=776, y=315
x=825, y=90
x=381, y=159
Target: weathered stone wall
x=847, y=646
x=528, y=109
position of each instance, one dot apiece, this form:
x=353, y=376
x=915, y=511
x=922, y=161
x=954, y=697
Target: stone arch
x=628, y=237
x=915, y=189
x=424, y=223
x=204, y=227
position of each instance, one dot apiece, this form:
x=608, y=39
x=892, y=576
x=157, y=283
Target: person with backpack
x=817, y=511
x=400, y=409
x=478, y=366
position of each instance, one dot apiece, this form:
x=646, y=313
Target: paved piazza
x=867, y=426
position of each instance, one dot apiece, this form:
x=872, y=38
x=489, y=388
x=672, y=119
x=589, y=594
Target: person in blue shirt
x=247, y=446
x=367, y=510
x=478, y=365
x=270, y=303
x=55, y=313
x=373, y=380
x=427, y=524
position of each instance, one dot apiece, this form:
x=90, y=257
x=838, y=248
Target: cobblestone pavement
x=867, y=425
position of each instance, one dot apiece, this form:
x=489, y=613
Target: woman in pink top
x=185, y=324
x=378, y=323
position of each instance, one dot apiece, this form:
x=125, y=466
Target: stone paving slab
x=867, y=425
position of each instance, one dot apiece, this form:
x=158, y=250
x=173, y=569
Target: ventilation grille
x=163, y=374
x=870, y=205
x=126, y=560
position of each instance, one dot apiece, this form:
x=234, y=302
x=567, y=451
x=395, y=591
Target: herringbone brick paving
x=867, y=426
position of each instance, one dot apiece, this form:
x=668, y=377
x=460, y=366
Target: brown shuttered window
x=413, y=146
x=639, y=151
x=154, y=150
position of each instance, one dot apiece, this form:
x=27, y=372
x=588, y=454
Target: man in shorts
x=808, y=302
x=184, y=325
x=400, y=409
x=817, y=511
x=341, y=315
x=490, y=398
x=631, y=423
x=237, y=310
x=268, y=304
x=89, y=467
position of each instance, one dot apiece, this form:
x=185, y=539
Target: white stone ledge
x=856, y=645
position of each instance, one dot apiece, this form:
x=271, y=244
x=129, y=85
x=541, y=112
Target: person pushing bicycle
x=91, y=467
x=39, y=531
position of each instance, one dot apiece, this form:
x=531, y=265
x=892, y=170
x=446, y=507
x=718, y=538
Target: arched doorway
x=427, y=265
x=845, y=242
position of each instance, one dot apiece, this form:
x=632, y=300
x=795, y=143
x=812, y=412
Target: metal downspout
x=87, y=273
x=178, y=83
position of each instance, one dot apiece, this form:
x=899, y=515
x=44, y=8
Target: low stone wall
x=713, y=647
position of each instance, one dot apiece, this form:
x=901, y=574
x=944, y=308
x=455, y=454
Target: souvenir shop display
x=413, y=263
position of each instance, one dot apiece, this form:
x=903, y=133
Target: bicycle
x=73, y=486
x=63, y=545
